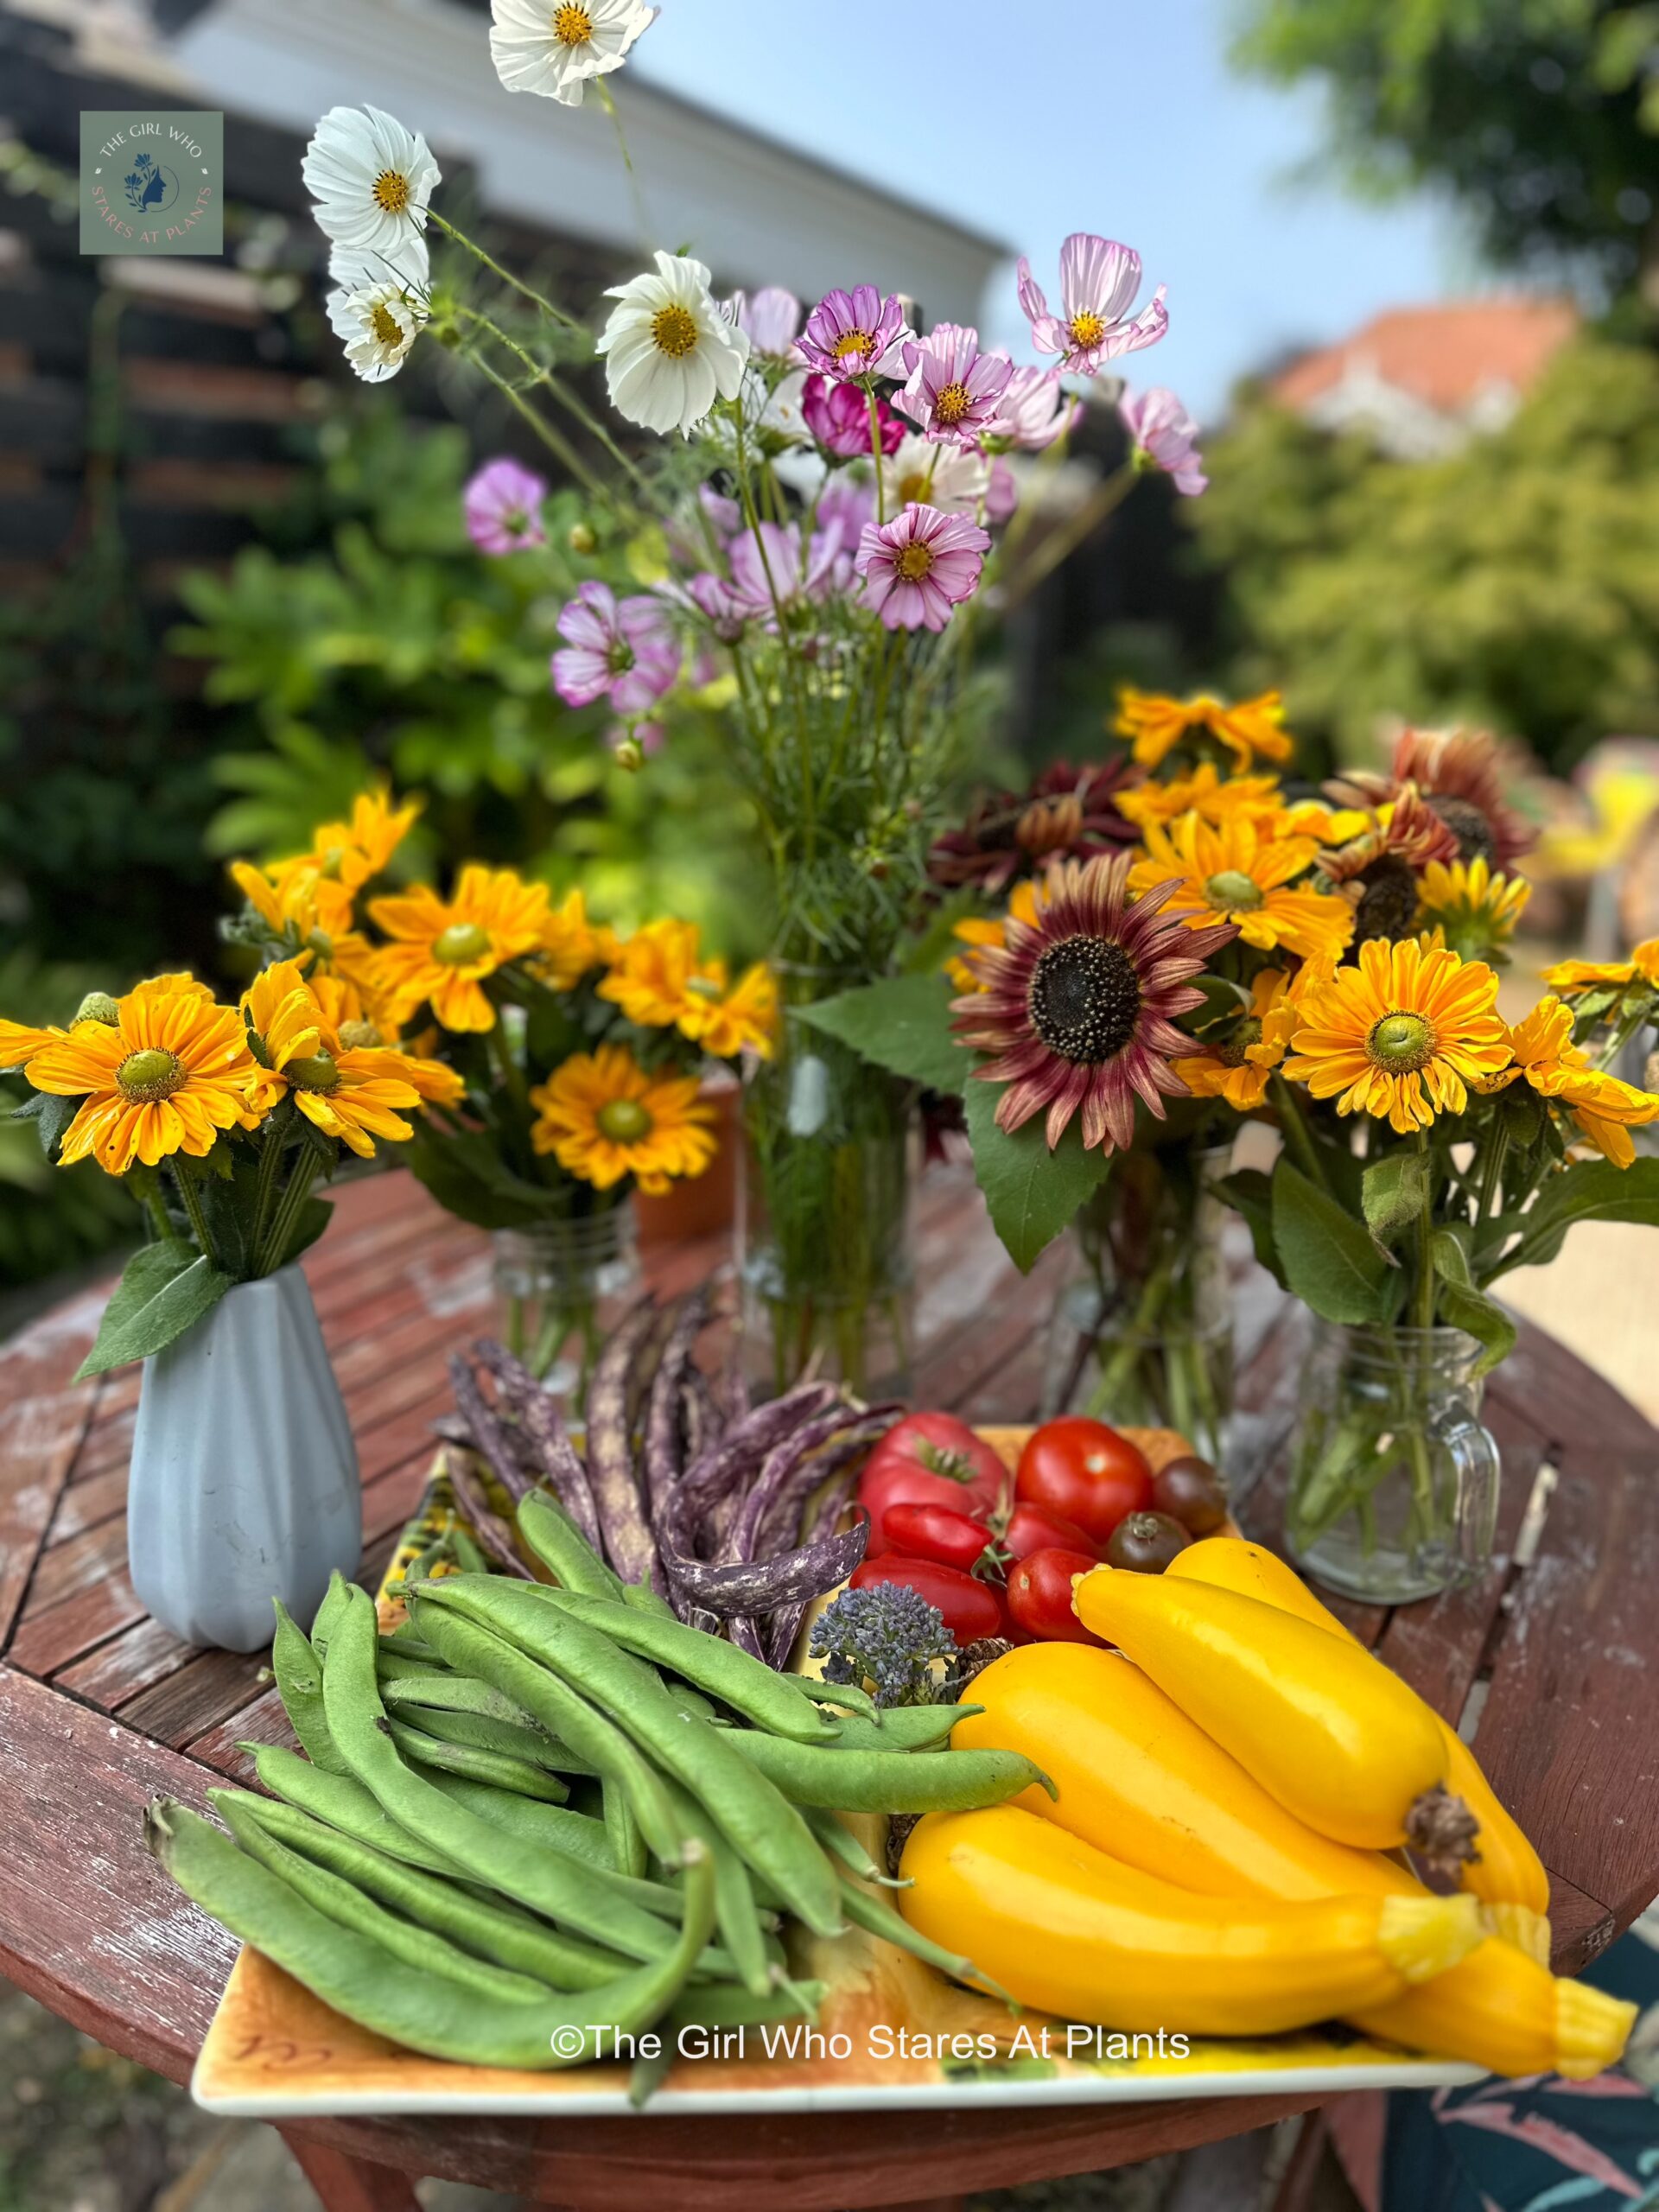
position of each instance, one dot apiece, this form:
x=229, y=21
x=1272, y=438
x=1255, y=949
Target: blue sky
x=1029, y=118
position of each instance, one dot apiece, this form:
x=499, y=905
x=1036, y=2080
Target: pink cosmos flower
x=847, y=505
x=1001, y=494
x=916, y=568
x=633, y=741
x=1098, y=282
x=838, y=416
x=503, y=507
x=771, y=317
x=727, y=615
x=781, y=575
x=1164, y=437
x=623, y=651
x=953, y=389
x=857, y=333
x=1034, y=410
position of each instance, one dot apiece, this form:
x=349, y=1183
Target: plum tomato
x=929, y=1459
x=1189, y=1490
x=1034, y=1528
x=1145, y=1543
x=1086, y=1472
x=1040, y=1595
x=971, y=1609
x=935, y=1532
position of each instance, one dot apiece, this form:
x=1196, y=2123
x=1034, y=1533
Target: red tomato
x=1086, y=1472
x=1034, y=1528
x=935, y=1532
x=929, y=1459
x=971, y=1609
x=1040, y=1596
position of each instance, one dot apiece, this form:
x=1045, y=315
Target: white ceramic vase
x=245, y=1483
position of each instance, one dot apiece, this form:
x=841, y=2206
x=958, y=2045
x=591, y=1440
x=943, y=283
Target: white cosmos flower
x=371, y=180
x=378, y=324
x=672, y=353
x=538, y=46
x=953, y=478
x=355, y=268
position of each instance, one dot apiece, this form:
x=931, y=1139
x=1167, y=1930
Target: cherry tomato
x=971, y=1609
x=1086, y=1472
x=929, y=1459
x=935, y=1532
x=1145, y=1543
x=1034, y=1528
x=1040, y=1595
x=1190, y=1490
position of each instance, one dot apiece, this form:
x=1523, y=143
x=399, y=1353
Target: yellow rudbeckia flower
x=1156, y=724
x=1604, y=1107
x=1240, y=871
x=442, y=950
x=1237, y=1066
x=1399, y=1035
x=602, y=1117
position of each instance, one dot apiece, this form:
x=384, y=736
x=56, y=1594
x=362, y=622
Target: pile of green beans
x=541, y=1819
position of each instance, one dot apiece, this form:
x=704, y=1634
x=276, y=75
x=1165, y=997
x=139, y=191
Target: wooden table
x=100, y=1709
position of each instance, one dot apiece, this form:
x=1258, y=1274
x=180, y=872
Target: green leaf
x=314, y=1216
x=1394, y=1192
x=1595, y=1190
x=1032, y=1192
x=1464, y=1306
x=1249, y=1194
x=1331, y=1261
x=164, y=1289
x=903, y=1024
x=465, y=1175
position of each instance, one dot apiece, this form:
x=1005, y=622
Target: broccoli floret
x=886, y=1639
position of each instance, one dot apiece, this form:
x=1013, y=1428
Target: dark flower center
x=1085, y=999
x=1388, y=900
x=1243, y=1035
x=1467, y=824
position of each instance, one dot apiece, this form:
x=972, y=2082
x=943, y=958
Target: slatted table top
x=100, y=1709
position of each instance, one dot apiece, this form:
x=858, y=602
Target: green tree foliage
x=1540, y=116
x=1514, y=585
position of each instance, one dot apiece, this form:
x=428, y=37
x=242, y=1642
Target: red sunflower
x=1456, y=772
x=1079, y=1008
x=1067, y=814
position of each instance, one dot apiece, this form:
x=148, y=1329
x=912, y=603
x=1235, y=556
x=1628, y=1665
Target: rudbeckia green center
x=318, y=1072
x=98, y=1006
x=1232, y=892
x=624, y=1120
x=147, y=1076
x=952, y=405
x=1245, y=1033
x=572, y=26
x=360, y=1036
x=1400, y=1043
x=322, y=944
x=1085, y=999
x=675, y=332
x=461, y=944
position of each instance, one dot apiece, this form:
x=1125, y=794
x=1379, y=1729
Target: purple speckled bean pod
x=780, y=1525
x=761, y=1586
x=554, y=1458
x=489, y=1437
x=785, y=1625
x=700, y=1420
x=488, y=1526
x=719, y=1471
x=662, y=1463
x=746, y=1634
x=793, y=1456
x=628, y=1544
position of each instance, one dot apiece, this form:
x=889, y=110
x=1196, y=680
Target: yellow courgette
x=1069, y=1930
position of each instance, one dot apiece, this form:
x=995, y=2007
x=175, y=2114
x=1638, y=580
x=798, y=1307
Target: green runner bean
x=904, y=1728
x=359, y=1978
x=623, y=1831
x=343, y=1802
x=847, y=1695
x=878, y=1919
x=495, y=1931
x=841, y=1843
x=549, y=1699
x=758, y=1822
x=451, y=1727
x=561, y=1547
x=888, y=1782
x=566, y=1889
x=333, y=1601
x=343, y=1901
x=500, y=1770
x=736, y=1915
x=772, y=1701
x=299, y=1684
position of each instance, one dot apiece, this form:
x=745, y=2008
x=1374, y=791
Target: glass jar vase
x=824, y=1240
x=1394, y=1480
x=561, y=1285
x=1142, y=1332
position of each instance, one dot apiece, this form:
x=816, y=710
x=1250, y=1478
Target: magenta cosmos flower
x=953, y=389
x=1098, y=282
x=857, y=333
x=503, y=505
x=620, y=650
x=1166, y=435
x=1034, y=410
x=1079, y=1007
x=919, y=566
x=838, y=416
